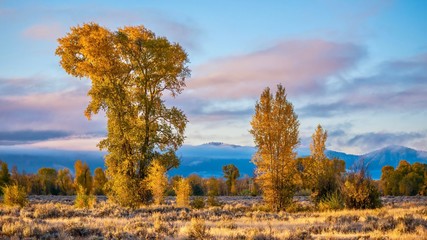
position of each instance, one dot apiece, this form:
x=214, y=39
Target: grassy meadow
x=55, y=217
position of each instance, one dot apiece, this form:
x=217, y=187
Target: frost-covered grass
x=236, y=218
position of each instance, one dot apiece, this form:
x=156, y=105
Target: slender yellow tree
x=183, y=191
x=83, y=178
x=157, y=181
x=322, y=175
x=231, y=173
x=318, y=144
x=83, y=183
x=131, y=70
x=275, y=131
x=315, y=168
x=99, y=181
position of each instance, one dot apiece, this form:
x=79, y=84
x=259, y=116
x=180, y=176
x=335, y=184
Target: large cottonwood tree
x=275, y=131
x=131, y=70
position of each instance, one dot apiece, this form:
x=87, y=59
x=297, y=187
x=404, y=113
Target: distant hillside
x=391, y=155
x=206, y=160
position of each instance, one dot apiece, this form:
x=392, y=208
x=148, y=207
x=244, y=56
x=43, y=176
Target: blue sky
x=359, y=68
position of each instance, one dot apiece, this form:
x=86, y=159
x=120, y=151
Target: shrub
x=198, y=203
x=49, y=210
x=15, y=195
x=333, y=201
x=198, y=229
x=300, y=234
x=213, y=201
x=359, y=191
x=159, y=225
x=79, y=230
x=84, y=200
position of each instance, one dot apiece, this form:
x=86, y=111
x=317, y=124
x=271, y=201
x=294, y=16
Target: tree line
x=50, y=181
x=406, y=179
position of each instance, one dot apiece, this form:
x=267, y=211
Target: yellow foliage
x=275, y=131
x=14, y=195
x=130, y=70
x=83, y=178
x=183, y=191
x=157, y=181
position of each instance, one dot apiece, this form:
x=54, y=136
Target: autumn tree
x=173, y=182
x=83, y=182
x=64, y=182
x=318, y=145
x=388, y=180
x=231, y=173
x=131, y=71
x=183, y=192
x=315, y=165
x=275, y=131
x=411, y=184
x=48, y=177
x=99, y=181
x=157, y=181
x=406, y=179
x=213, y=186
x=322, y=175
x=4, y=175
x=197, y=185
x=83, y=179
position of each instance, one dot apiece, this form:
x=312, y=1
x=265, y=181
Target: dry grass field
x=54, y=217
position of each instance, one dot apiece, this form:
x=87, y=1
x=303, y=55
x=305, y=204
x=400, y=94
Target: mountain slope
x=391, y=155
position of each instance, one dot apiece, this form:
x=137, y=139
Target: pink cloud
x=48, y=31
x=301, y=66
x=49, y=111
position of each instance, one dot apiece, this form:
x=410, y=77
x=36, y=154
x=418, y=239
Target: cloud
x=303, y=66
x=44, y=31
x=75, y=142
x=328, y=109
x=399, y=85
x=27, y=136
x=366, y=141
x=20, y=86
x=62, y=110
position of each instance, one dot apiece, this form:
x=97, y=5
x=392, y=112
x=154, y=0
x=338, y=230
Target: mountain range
x=205, y=160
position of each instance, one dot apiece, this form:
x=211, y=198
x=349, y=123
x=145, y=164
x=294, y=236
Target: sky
x=358, y=68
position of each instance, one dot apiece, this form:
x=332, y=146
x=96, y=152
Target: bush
x=84, y=200
x=49, y=210
x=360, y=192
x=333, y=201
x=15, y=195
x=213, y=201
x=159, y=225
x=198, y=203
x=198, y=229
